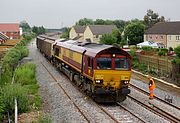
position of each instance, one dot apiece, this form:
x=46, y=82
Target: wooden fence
x=161, y=65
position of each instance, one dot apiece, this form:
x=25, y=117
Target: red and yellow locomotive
x=101, y=70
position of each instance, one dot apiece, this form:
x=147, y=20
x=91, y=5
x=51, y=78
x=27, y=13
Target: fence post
x=16, y=111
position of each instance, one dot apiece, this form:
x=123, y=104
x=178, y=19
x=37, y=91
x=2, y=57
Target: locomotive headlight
x=98, y=81
x=125, y=82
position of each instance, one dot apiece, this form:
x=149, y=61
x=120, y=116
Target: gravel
x=159, y=92
x=61, y=108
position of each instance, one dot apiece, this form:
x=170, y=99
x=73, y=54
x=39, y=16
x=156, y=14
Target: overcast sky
x=60, y=13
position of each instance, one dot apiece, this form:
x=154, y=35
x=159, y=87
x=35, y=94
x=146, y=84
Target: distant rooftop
x=79, y=29
x=9, y=27
x=102, y=29
x=165, y=28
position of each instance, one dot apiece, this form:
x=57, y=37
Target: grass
x=25, y=87
x=11, y=59
x=25, y=75
x=8, y=94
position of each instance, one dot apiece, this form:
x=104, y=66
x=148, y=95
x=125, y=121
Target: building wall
x=72, y=33
x=88, y=34
x=173, y=41
x=12, y=35
x=160, y=38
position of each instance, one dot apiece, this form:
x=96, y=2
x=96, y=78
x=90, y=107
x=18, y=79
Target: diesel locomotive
x=103, y=71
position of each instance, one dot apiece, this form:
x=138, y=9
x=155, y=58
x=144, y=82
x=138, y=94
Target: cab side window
x=57, y=51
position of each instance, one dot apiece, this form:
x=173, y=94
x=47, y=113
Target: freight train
x=103, y=71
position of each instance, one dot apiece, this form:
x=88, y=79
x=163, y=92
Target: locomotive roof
x=92, y=49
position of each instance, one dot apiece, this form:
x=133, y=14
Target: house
x=167, y=33
x=3, y=38
x=77, y=32
x=93, y=33
x=12, y=30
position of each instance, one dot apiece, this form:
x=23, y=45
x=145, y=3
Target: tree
x=108, y=39
x=65, y=33
x=152, y=18
x=177, y=51
x=35, y=29
x=85, y=21
x=38, y=30
x=114, y=38
x=25, y=26
x=134, y=32
x=99, y=22
x=116, y=33
x=120, y=24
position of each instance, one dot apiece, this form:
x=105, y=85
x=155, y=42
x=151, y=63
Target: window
x=161, y=37
x=169, y=37
x=92, y=61
x=104, y=63
x=89, y=62
x=56, y=51
x=150, y=37
x=177, y=38
x=121, y=63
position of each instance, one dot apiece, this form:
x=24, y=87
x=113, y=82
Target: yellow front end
x=111, y=79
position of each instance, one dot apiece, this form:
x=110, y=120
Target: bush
x=164, y=50
x=1, y=108
x=176, y=60
x=177, y=51
x=142, y=67
x=161, y=53
x=25, y=74
x=10, y=61
x=147, y=48
x=12, y=91
x=170, y=49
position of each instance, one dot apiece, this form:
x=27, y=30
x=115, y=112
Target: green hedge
x=11, y=59
x=9, y=93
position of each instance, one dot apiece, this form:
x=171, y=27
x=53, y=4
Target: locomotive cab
x=112, y=74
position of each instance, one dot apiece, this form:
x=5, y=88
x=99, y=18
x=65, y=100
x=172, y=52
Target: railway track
x=108, y=112
x=156, y=110
x=123, y=107
x=86, y=118
x=157, y=98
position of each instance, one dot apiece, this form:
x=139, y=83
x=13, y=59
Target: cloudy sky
x=60, y=13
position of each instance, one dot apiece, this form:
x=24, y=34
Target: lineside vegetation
x=24, y=88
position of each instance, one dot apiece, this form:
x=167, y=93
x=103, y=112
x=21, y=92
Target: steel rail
x=67, y=94
x=143, y=91
x=130, y=112
x=157, y=111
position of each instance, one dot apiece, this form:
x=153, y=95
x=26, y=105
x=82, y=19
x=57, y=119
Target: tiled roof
x=79, y=29
x=102, y=29
x=9, y=27
x=171, y=28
